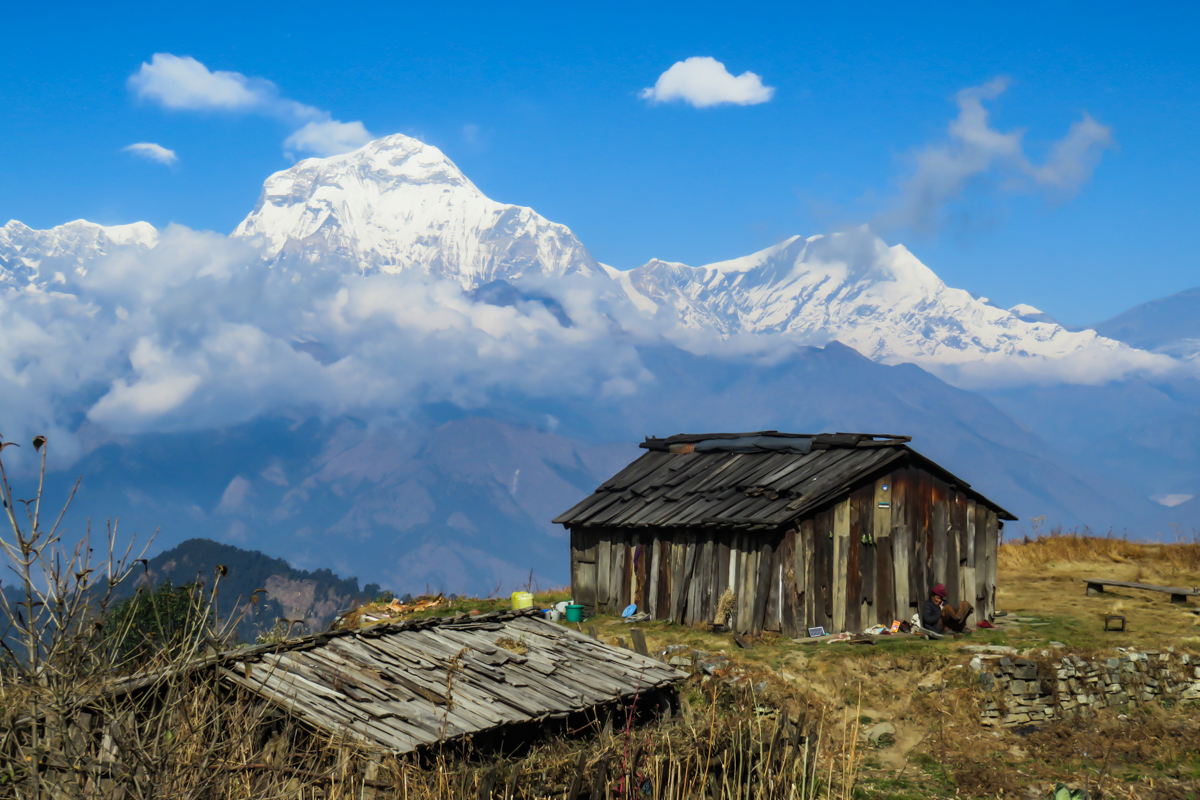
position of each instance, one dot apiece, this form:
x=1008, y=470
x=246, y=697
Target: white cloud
x=183, y=83
x=1075, y=157
x=976, y=153
x=703, y=81
x=328, y=137
x=152, y=151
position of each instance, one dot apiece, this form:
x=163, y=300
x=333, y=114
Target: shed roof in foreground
x=405, y=685
x=758, y=480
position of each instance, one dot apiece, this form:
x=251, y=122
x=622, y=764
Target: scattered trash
x=630, y=610
x=877, y=735
x=1061, y=792
x=419, y=604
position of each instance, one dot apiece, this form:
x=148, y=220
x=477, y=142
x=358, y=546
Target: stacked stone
x=1026, y=695
x=1024, y=698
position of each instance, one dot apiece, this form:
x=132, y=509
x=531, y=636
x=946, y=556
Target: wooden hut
x=840, y=531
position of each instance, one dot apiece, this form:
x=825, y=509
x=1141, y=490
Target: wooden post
x=902, y=544
x=639, y=642
x=993, y=539
x=652, y=592
x=885, y=574
x=841, y=563
x=603, y=571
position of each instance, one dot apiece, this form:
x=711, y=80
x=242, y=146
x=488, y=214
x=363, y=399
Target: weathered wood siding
x=868, y=558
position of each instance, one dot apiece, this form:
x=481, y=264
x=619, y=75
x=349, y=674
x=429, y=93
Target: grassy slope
x=940, y=749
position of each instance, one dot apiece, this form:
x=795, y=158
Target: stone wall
x=1025, y=692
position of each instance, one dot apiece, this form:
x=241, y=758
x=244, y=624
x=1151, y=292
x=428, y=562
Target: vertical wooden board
x=788, y=592
x=735, y=577
x=762, y=583
x=745, y=586
x=631, y=566
x=925, y=514
x=651, y=539
x=583, y=578
x=940, y=533
x=859, y=566
x=971, y=539
x=807, y=528
x=575, y=539
x=663, y=603
x=959, y=515
x=687, y=611
x=603, y=570
x=968, y=581
x=966, y=553
x=953, y=580
x=884, y=593
x=769, y=585
x=841, y=558
x=823, y=569
x=628, y=578
x=723, y=542
x=753, y=557
x=677, y=587
x=980, y=554
x=901, y=544
x=708, y=603
x=993, y=540
x=642, y=598
x=617, y=576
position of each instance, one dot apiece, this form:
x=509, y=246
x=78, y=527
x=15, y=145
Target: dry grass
x=1180, y=557
x=1071, y=548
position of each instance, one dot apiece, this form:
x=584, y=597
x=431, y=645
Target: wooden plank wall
x=870, y=558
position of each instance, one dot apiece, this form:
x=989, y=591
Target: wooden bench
x=1178, y=595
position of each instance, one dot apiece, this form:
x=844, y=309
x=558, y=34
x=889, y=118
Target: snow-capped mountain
x=398, y=204
x=854, y=288
x=29, y=256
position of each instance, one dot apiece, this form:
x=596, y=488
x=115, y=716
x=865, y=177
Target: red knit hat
x=939, y=590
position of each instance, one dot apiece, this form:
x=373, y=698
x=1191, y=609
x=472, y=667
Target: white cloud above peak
x=181, y=83
x=328, y=137
x=152, y=151
x=702, y=81
x=975, y=154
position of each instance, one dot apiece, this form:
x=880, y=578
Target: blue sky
x=540, y=106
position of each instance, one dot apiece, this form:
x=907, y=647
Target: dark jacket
x=931, y=617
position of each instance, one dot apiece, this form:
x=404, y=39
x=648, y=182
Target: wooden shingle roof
x=406, y=685
x=755, y=480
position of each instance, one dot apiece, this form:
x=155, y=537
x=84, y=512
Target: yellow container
x=522, y=600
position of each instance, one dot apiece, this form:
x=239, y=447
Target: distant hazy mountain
x=1168, y=325
x=312, y=598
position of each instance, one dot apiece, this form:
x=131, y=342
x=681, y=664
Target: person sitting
x=938, y=617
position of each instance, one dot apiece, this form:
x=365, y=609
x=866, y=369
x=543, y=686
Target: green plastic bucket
x=574, y=613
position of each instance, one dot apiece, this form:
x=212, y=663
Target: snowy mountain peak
x=29, y=256
x=398, y=204
x=881, y=300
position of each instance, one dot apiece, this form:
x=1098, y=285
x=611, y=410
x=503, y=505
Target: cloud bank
x=195, y=333
x=153, y=152
x=974, y=152
x=702, y=81
x=181, y=83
